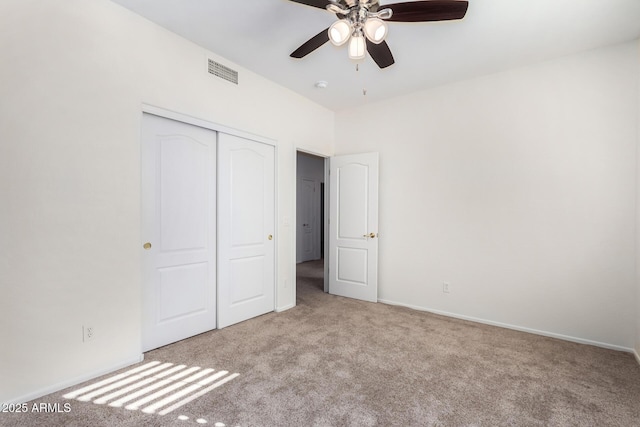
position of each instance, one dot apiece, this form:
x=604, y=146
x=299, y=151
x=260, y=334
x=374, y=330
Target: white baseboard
x=637, y=355
x=516, y=328
x=77, y=380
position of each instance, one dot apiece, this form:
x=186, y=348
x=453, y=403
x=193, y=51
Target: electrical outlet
x=88, y=333
x=445, y=287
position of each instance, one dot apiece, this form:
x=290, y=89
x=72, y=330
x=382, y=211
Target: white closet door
x=353, y=226
x=178, y=230
x=246, y=229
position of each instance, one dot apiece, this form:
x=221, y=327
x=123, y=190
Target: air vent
x=223, y=72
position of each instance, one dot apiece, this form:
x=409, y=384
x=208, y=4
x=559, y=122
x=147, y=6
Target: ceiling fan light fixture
x=376, y=30
x=358, y=14
x=357, y=47
x=339, y=32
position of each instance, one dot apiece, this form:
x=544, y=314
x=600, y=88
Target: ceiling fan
x=362, y=24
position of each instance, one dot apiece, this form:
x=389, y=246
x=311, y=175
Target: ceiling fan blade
x=320, y=4
x=430, y=10
x=380, y=53
x=312, y=44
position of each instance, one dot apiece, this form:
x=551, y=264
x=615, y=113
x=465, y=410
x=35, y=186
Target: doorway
x=310, y=222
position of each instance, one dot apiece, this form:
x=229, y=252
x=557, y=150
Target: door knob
x=270, y=237
x=147, y=246
x=370, y=235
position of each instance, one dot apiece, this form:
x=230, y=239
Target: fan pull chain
x=364, y=90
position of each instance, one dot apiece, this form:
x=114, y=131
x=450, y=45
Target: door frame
x=191, y=120
x=294, y=224
x=207, y=124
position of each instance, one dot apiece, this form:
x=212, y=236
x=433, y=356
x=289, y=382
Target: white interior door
x=246, y=223
x=353, y=226
x=178, y=230
x=308, y=243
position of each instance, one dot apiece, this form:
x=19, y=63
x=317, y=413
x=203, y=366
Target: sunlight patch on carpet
x=154, y=387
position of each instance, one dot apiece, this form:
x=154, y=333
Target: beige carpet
x=333, y=361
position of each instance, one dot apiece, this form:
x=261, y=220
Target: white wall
x=519, y=189
x=73, y=79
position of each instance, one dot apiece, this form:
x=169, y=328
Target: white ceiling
x=495, y=35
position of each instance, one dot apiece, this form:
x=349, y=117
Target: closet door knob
x=270, y=237
x=147, y=246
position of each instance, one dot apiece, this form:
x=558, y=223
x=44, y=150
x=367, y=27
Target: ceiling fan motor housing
x=367, y=3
